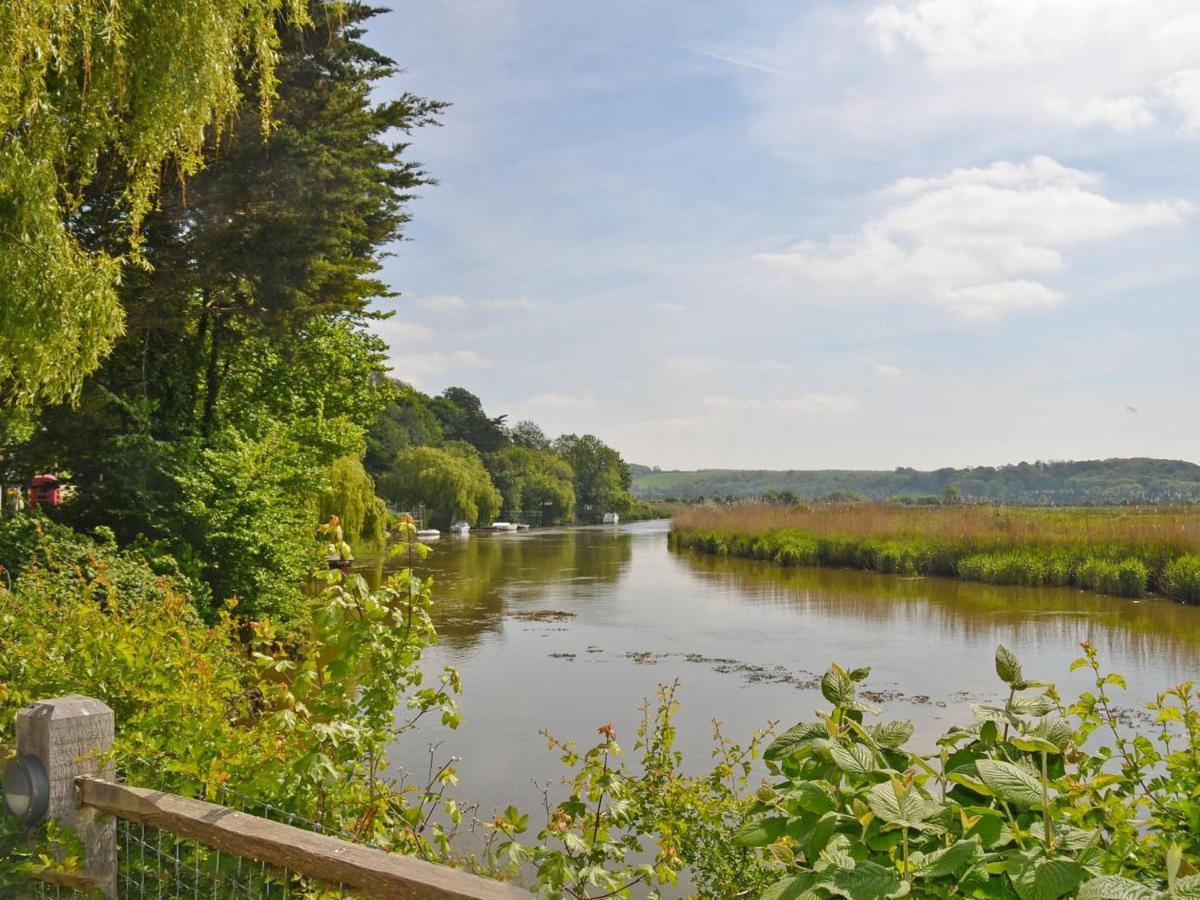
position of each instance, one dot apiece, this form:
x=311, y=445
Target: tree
x=272, y=234
x=407, y=421
x=528, y=434
x=602, y=479
x=463, y=419
x=349, y=494
x=449, y=483
x=245, y=369
x=534, y=483
x=136, y=89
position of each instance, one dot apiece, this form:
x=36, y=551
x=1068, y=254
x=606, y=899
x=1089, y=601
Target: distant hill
x=1104, y=481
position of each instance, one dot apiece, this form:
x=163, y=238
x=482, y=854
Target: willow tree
x=450, y=482
x=137, y=85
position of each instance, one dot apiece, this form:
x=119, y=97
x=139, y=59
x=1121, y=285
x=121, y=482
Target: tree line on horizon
x=1053, y=483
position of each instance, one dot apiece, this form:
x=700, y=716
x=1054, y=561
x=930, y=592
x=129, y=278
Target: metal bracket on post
x=73, y=736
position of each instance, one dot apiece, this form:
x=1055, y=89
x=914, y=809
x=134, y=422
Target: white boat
x=522, y=526
x=503, y=526
x=428, y=534
x=461, y=527
x=611, y=519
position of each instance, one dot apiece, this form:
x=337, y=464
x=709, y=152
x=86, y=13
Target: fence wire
x=152, y=863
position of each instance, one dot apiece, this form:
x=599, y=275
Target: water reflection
x=480, y=578
x=950, y=611
x=748, y=641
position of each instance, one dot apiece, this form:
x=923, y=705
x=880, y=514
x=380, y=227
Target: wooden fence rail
x=71, y=739
x=376, y=873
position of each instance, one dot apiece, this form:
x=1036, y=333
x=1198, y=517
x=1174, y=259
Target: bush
x=1181, y=579
x=1020, y=804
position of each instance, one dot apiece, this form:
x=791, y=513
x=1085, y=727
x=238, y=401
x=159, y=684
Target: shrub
x=1181, y=578
x=1020, y=804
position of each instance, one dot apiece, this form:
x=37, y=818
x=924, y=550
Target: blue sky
x=790, y=235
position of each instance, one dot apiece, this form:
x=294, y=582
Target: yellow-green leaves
x=135, y=85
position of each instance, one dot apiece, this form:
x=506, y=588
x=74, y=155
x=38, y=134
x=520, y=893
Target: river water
x=567, y=630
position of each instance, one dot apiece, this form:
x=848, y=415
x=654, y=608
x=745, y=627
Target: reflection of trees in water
x=478, y=579
x=1152, y=630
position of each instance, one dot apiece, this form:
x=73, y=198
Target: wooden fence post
x=73, y=736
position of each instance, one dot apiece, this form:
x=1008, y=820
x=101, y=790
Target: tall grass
x=1125, y=551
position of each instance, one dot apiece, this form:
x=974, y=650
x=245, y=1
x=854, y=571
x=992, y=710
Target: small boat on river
x=503, y=526
x=428, y=534
x=461, y=527
x=612, y=519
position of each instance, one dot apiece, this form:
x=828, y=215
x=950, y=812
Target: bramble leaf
x=1011, y=782
x=1008, y=667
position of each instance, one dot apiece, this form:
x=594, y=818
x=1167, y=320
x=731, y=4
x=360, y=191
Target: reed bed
x=1121, y=551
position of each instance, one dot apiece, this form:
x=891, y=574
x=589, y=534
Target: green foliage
x=462, y=419
x=301, y=721
x=137, y=86
x=407, y=421
x=1021, y=804
x=601, y=477
x=534, y=484
x=449, y=483
x=349, y=494
x=627, y=830
x=1103, y=482
x=1181, y=578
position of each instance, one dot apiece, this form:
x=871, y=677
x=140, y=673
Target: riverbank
x=1126, y=552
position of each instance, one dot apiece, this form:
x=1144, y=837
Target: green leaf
x=1008, y=667
x=1113, y=887
x=1036, y=878
x=1031, y=706
x=798, y=887
x=1011, y=782
x=866, y=881
x=796, y=738
x=759, y=832
x=947, y=861
x=896, y=803
x=861, y=674
x=857, y=759
x=812, y=796
x=893, y=735
x=837, y=687
x=1034, y=744
x=1186, y=888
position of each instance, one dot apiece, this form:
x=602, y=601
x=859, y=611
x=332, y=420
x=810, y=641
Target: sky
x=809, y=235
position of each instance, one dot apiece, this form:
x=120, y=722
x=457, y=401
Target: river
x=567, y=630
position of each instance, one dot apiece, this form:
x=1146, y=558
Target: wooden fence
x=71, y=738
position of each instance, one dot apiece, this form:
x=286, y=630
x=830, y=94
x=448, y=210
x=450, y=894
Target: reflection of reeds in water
x=1157, y=633
x=478, y=579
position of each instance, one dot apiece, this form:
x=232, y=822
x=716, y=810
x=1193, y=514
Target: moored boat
x=461, y=527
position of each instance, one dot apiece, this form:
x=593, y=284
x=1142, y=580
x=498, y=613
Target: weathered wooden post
x=73, y=736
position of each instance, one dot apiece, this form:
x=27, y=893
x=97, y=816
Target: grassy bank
x=1126, y=552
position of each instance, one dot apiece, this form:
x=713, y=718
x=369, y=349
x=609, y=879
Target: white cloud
x=560, y=401
x=888, y=371
x=975, y=241
x=402, y=332
x=521, y=303
x=675, y=309
x=442, y=303
x=808, y=404
x=1088, y=62
x=421, y=364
